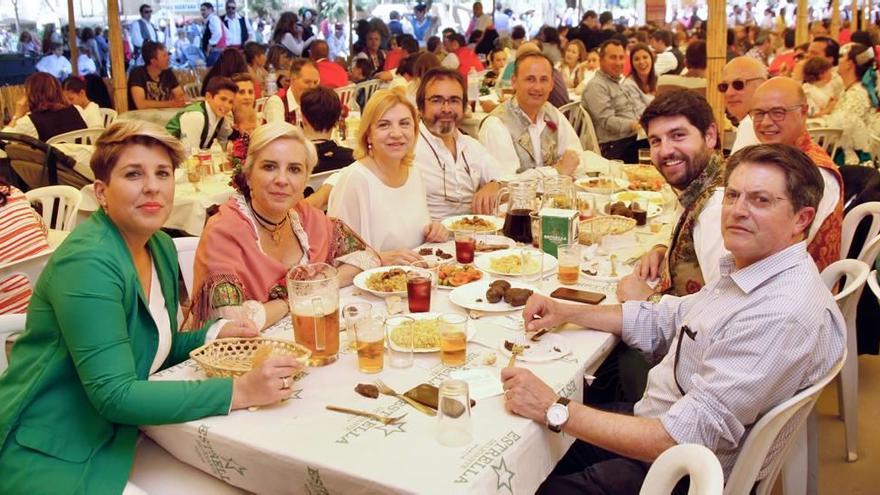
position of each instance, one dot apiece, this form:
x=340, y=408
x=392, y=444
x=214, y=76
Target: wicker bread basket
x=233, y=357
x=605, y=225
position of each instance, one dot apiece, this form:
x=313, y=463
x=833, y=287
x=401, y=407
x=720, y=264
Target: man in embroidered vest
x=214, y=37
x=285, y=104
x=779, y=113
x=766, y=328
x=143, y=30
x=526, y=133
x=682, y=135
x=199, y=124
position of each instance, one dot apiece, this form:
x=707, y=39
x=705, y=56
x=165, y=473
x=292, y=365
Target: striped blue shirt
x=757, y=336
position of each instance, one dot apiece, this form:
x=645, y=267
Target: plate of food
x=602, y=185
x=629, y=210
x=383, y=281
x=598, y=268
x=550, y=347
x=427, y=332
x=510, y=262
x=489, y=243
x=452, y=275
x=495, y=297
x=653, y=197
x=476, y=223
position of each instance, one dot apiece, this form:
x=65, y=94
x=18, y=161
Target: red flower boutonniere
x=550, y=124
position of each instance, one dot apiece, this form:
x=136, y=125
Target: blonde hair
x=122, y=134
x=268, y=133
x=382, y=101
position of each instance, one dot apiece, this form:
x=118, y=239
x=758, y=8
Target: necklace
x=274, y=230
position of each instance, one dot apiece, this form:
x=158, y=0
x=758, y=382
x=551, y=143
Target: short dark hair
x=803, y=182
x=207, y=5
x=605, y=44
x=605, y=17
x=219, y=83
x=525, y=56
x=862, y=37
x=408, y=43
x=297, y=66
x=242, y=77
x=589, y=14
x=149, y=50
x=832, y=48
x=458, y=38
x=364, y=65
x=432, y=43
x=438, y=73
x=252, y=50
x=814, y=68
x=142, y=7
x=321, y=107
x=663, y=36
x=518, y=33
x=695, y=55
x=74, y=83
x=406, y=67
x=687, y=104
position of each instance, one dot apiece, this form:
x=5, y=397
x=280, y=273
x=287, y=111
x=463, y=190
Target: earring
x=369, y=148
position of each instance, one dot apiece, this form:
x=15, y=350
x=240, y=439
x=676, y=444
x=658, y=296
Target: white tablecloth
x=189, y=211
x=159, y=116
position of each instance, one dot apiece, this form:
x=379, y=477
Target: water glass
x=453, y=339
x=354, y=315
x=532, y=262
x=615, y=169
x=569, y=257
x=370, y=345
x=400, y=348
x=454, y=427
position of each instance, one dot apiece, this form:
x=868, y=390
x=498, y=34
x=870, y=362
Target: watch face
x=557, y=414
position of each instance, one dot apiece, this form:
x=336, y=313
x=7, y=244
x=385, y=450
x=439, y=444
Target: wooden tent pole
x=854, y=16
x=802, y=30
x=71, y=39
x=716, y=57
x=350, y=30
x=117, y=58
x=835, y=19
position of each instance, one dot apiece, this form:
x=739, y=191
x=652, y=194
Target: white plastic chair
x=852, y=220
x=856, y=273
x=369, y=87
x=874, y=284
x=80, y=136
x=763, y=434
x=109, y=116
x=583, y=125
x=259, y=105
x=347, y=96
x=10, y=325
x=155, y=471
x=186, y=258
x=192, y=90
x=826, y=137
x=687, y=459
x=68, y=200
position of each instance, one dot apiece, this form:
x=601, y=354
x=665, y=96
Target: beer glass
x=354, y=315
x=313, y=293
x=569, y=256
x=453, y=339
x=370, y=345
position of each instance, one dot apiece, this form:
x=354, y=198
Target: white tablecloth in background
x=159, y=116
x=190, y=207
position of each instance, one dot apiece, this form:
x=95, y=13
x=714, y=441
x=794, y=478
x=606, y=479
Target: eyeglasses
x=684, y=330
x=453, y=101
x=755, y=200
x=148, y=12
x=776, y=113
x=738, y=84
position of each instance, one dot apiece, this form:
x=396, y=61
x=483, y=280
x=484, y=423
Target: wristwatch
x=557, y=414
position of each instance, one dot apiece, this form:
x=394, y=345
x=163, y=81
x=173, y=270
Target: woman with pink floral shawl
x=264, y=230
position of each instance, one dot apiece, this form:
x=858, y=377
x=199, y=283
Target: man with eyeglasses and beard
x=739, y=80
x=765, y=329
x=459, y=173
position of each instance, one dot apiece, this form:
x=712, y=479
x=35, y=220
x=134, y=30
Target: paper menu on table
x=482, y=383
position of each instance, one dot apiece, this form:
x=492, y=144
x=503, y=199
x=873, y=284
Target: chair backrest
x=874, y=284
x=80, y=136
x=764, y=433
x=826, y=137
x=369, y=87
x=191, y=90
x=687, y=459
x=9, y=324
x=854, y=273
x=186, y=258
x=583, y=125
x=38, y=164
x=316, y=180
x=109, y=116
x=59, y=205
x=259, y=105
x=851, y=222
x=346, y=96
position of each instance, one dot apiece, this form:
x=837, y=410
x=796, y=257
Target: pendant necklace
x=274, y=230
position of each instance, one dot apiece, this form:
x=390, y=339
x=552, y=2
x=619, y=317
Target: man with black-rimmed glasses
x=767, y=328
x=459, y=173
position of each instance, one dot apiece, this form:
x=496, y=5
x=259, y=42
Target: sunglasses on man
x=738, y=84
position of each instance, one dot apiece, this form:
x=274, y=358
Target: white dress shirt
x=745, y=135
x=451, y=182
x=213, y=21
x=385, y=217
x=26, y=126
x=135, y=30
x=57, y=65
x=274, y=109
x=233, y=30
x=193, y=123
x=495, y=136
x=665, y=62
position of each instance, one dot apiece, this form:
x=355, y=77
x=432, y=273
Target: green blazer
x=76, y=389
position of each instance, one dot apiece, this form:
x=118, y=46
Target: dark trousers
x=625, y=149
x=586, y=470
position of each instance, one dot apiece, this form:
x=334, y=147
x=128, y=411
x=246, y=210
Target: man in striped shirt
x=749, y=340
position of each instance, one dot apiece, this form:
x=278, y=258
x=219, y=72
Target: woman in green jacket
x=102, y=318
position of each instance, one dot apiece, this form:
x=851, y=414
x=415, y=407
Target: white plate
x=550, y=347
x=485, y=263
x=466, y=296
x=360, y=281
x=497, y=222
x=587, y=184
x=603, y=267
x=471, y=330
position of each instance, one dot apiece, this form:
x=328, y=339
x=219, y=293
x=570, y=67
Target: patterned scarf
x=681, y=273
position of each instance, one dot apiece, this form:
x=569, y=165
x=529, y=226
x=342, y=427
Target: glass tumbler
x=454, y=427
x=400, y=341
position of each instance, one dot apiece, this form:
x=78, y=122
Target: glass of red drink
x=465, y=245
x=418, y=290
